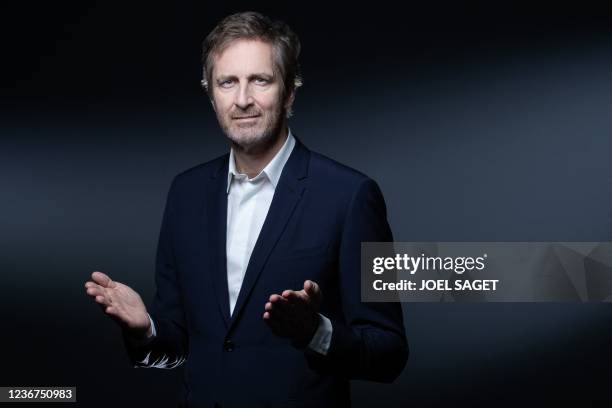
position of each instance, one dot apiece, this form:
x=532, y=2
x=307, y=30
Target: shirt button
x=228, y=345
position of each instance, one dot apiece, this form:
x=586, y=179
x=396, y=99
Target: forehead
x=244, y=57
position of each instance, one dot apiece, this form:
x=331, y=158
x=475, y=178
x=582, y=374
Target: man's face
x=247, y=93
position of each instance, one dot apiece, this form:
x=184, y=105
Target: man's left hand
x=294, y=314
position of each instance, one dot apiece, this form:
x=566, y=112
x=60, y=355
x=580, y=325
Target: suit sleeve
x=369, y=343
x=169, y=347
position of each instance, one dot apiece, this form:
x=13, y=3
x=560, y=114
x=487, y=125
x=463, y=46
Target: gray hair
x=252, y=25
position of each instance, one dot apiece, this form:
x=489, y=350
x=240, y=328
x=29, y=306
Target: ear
x=212, y=102
x=289, y=99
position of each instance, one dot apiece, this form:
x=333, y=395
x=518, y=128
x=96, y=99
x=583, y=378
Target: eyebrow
x=250, y=77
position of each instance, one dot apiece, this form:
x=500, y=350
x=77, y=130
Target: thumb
x=312, y=289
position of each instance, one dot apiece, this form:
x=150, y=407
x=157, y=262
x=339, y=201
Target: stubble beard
x=250, y=138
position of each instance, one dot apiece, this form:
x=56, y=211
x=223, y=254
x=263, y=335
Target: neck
x=252, y=161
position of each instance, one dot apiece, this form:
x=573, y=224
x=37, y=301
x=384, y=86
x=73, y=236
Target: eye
x=225, y=83
x=261, y=81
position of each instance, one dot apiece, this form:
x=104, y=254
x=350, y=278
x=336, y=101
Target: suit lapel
x=286, y=196
x=217, y=211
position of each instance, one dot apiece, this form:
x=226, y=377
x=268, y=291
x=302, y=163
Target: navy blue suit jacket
x=320, y=214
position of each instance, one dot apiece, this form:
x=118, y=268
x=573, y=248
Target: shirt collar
x=272, y=170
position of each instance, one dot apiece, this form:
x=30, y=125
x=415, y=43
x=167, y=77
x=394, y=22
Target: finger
x=277, y=299
x=102, y=300
x=274, y=324
x=279, y=312
x=273, y=308
x=114, y=314
x=111, y=310
x=102, y=279
x=90, y=284
x=295, y=297
x=95, y=291
x=272, y=316
x=280, y=305
x=280, y=308
x=270, y=319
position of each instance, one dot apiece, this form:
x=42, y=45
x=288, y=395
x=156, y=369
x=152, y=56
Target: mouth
x=246, y=117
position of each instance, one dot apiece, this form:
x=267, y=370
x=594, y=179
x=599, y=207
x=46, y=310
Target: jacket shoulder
x=335, y=174
x=200, y=173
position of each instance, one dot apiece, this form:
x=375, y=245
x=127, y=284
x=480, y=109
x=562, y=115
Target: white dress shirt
x=248, y=202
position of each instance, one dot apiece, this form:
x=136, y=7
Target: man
x=258, y=262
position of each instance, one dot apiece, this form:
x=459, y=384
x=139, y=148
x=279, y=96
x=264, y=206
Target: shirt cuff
x=322, y=338
x=153, y=331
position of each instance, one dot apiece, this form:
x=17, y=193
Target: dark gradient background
x=480, y=123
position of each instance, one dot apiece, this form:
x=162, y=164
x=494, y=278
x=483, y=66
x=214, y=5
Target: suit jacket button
x=228, y=345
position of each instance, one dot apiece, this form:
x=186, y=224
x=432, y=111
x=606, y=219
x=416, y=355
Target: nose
x=243, y=96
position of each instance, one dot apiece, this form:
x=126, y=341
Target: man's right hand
x=121, y=303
